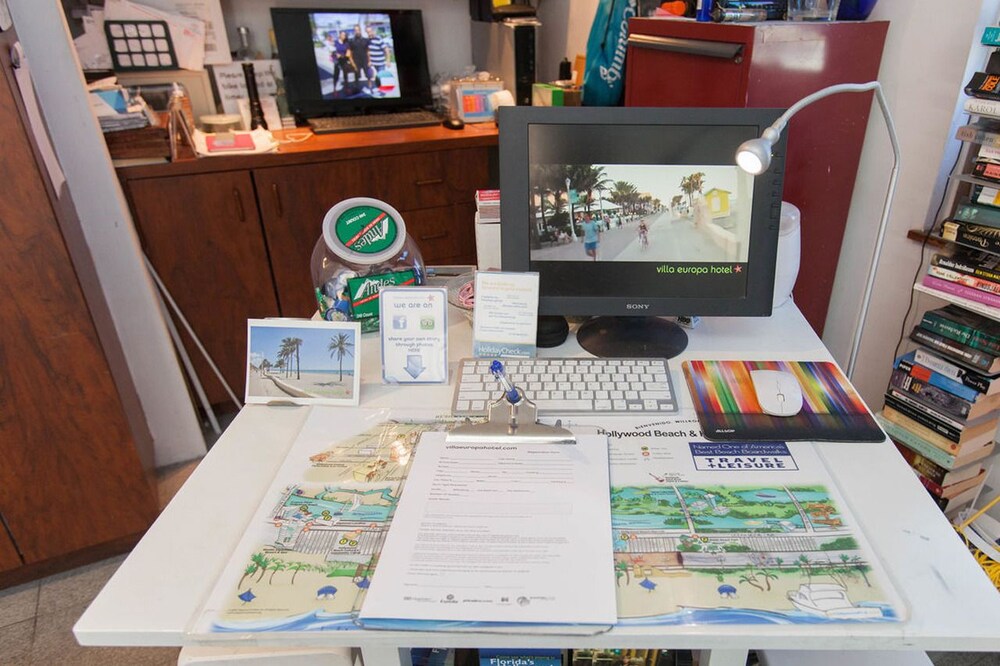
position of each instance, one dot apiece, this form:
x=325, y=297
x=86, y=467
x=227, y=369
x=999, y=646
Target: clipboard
x=513, y=422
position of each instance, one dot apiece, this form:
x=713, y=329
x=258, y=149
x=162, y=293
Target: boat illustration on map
x=830, y=600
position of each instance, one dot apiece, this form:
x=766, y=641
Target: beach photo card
x=302, y=362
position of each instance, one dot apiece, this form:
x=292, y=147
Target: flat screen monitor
x=341, y=61
x=636, y=213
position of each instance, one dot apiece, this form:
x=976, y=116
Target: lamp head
x=754, y=156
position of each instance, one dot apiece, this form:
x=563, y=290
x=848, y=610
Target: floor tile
x=18, y=603
x=75, y=587
x=170, y=479
x=15, y=643
x=55, y=644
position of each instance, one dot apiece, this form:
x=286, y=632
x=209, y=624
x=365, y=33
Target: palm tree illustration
x=275, y=567
x=262, y=563
x=295, y=568
x=249, y=571
x=340, y=347
x=286, y=353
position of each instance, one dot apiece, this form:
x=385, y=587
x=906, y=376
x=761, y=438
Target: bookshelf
x=919, y=390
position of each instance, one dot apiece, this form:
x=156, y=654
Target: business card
x=506, y=315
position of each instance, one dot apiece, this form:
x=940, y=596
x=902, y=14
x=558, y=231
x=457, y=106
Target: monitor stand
x=642, y=337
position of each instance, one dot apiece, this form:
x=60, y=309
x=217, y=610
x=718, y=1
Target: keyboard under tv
x=570, y=385
x=373, y=121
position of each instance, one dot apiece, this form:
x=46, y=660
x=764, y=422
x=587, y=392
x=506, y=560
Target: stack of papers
x=116, y=111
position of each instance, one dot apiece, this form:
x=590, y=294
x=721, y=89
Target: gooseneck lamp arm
x=754, y=156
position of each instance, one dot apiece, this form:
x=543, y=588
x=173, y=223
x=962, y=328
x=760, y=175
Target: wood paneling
x=293, y=201
x=9, y=559
x=202, y=233
x=70, y=477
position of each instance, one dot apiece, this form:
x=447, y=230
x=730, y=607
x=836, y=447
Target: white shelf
x=978, y=308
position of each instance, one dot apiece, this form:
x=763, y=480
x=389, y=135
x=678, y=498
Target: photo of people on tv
x=640, y=212
x=355, y=55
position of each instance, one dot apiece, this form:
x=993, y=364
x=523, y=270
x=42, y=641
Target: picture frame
x=471, y=100
x=302, y=362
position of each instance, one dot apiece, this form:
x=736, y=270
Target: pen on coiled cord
x=509, y=390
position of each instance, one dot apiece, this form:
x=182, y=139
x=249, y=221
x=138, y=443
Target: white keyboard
x=570, y=385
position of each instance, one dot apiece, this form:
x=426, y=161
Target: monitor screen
x=339, y=61
x=629, y=211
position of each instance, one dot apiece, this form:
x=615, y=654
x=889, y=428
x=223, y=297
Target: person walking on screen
x=359, y=55
x=378, y=55
x=591, y=236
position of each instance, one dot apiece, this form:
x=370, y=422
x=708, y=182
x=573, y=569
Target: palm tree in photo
x=340, y=347
x=294, y=344
x=265, y=365
x=286, y=352
x=691, y=184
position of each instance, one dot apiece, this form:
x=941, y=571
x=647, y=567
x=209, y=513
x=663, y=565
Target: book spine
x=950, y=348
x=962, y=291
x=974, y=235
x=976, y=134
x=924, y=417
x=932, y=396
x=984, y=86
x=934, y=320
x=933, y=488
x=969, y=268
x=903, y=436
x=976, y=214
x=987, y=171
x=991, y=36
x=965, y=280
x=921, y=465
x=943, y=382
x=983, y=107
x=973, y=380
x=984, y=195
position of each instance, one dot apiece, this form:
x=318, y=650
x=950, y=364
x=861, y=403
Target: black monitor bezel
x=514, y=123
x=298, y=64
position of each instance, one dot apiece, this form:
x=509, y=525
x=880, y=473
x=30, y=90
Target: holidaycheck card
x=506, y=314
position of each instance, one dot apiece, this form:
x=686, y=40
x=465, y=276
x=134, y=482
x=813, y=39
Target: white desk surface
x=157, y=591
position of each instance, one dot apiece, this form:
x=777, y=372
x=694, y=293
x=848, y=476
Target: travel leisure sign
x=364, y=231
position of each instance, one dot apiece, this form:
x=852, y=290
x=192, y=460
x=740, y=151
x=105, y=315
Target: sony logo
x=637, y=306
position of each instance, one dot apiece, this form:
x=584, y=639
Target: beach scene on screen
x=640, y=212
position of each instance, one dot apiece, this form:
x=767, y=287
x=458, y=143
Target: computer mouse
x=778, y=392
x=454, y=123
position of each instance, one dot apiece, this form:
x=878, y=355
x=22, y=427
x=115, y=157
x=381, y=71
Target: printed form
x=496, y=532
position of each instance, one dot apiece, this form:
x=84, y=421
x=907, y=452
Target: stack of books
x=942, y=404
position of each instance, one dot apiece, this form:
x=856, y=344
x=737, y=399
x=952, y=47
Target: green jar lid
x=364, y=230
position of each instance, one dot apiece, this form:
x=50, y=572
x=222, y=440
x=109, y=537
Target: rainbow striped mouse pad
x=728, y=407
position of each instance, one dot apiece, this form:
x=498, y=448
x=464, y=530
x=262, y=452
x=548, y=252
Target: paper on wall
x=187, y=34
x=209, y=11
x=92, y=45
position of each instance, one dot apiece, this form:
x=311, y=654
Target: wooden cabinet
x=293, y=201
x=202, y=233
x=72, y=486
x=233, y=237
x=774, y=64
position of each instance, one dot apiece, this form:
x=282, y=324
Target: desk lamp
x=754, y=157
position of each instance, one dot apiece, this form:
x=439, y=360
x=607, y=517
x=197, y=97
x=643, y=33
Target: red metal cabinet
x=774, y=64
